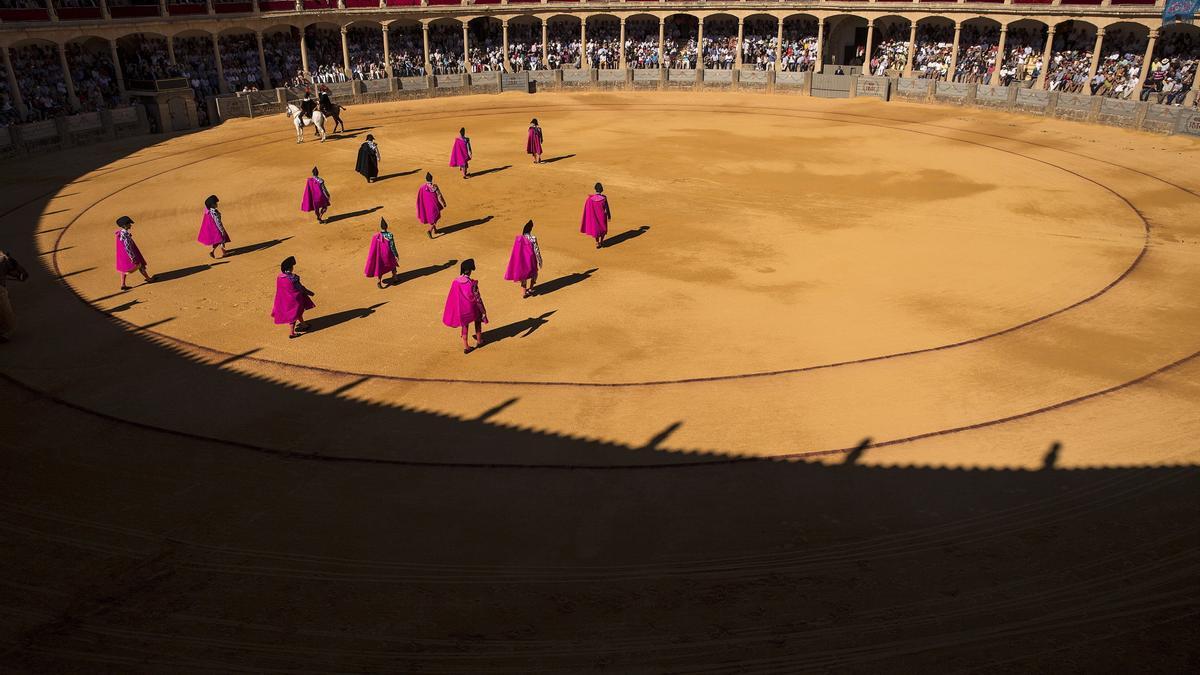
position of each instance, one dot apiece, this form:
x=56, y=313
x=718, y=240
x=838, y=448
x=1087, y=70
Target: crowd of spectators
x=8, y=109
x=1173, y=73
x=1120, y=65
x=239, y=60
x=890, y=52
x=407, y=51
x=976, y=54
x=679, y=44
x=562, y=44
x=525, y=46
x=641, y=44
x=487, y=54
x=365, y=47
x=934, y=51
x=604, y=44
x=799, y=50
x=1023, y=56
x=324, y=47
x=40, y=79
x=93, y=75
x=195, y=61
x=446, y=49
x=282, y=52
x=1071, y=57
x=759, y=42
x=720, y=44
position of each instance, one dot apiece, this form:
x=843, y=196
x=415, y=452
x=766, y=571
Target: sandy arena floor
x=788, y=277
x=803, y=276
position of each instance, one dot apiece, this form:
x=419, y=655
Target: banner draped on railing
x=1183, y=11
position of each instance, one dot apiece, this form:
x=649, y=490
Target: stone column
x=104, y=13
x=820, y=64
x=14, y=90
x=346, y=54
x=1095, y=57
x=304, y=55
x=995, y=79
x=209, y=7
x=700, y=44
x=466, y=48
x=504, y=39
x=387, y=53
x=622, y=58
x=162, y=7
x=1146, y=63
x=262, y=61
x=954, y=52
x=779, y=45
x=222, y=85
x=545, y=46
x=583, y=57
x=66, y=68
x=171, y=49
x=425, y=46
x=116, y=61
x=737, y=56
x=1047, y=52
x=50, y=11
x=912, y=50
x=662, y=32
x=867, y=52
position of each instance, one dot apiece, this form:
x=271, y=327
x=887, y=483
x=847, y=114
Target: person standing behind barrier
x=9, y=269
x=596, y=215
x=129, y=257
x=212, y=228
x=460, y=154
x=291, y=298
x=464, y=306
x=430, y=204
x=316, y=196
x=533, y=142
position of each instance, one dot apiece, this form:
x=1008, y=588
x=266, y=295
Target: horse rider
x=330, y=109
x=307, y=106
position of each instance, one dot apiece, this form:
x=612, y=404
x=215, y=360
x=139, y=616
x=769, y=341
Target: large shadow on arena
x=189, y=517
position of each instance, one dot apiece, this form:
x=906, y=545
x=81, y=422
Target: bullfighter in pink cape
x=316, y=196
x=430, y=204
x=460, y=154
x=464, y=305
x=212, y=228
x=525, y=260
x=533, y=142
x=596, y=215
x=129, y=257
x=291, y=298
x=382, y=256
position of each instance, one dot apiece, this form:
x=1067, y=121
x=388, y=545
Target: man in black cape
x=307, y=106
x=368, y=159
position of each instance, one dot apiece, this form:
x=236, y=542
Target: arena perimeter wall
x=85, y=128
x=1151, y=117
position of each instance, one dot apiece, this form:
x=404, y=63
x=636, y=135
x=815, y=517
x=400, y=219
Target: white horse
x=317, y=121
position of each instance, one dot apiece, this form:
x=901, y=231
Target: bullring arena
x=875, y=373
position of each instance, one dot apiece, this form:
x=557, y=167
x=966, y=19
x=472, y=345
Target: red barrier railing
x=8, y=14
x=181, y=10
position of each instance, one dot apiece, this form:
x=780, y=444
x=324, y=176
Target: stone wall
x=73, y=130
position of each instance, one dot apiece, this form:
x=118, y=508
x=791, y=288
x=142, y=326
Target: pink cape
x=379, y=257
x=289, y=302
x=428, y=208
x=314, y=198
x=459, y=156
x=522, y=264
x=595, y=220
x=210, y=234
x=533, y=145
x=124, y=262
x=461, y=307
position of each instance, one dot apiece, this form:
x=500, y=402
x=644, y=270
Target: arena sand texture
x=788, y=278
